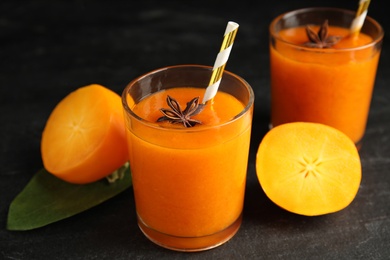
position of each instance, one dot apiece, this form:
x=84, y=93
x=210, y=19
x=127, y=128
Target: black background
x=50, y=48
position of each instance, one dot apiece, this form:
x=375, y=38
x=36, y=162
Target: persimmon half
x=308, y=168
x=84, y=137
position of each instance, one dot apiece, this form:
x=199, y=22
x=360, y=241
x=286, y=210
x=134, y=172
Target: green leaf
x=47, y=199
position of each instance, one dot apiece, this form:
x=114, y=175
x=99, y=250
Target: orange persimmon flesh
x=84, y=137
x=308, y=168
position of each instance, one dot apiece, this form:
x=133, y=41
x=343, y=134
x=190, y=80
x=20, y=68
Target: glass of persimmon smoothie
x=188, y=159
x=320, y=71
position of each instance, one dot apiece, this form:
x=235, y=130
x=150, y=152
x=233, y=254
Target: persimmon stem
x=118, y=174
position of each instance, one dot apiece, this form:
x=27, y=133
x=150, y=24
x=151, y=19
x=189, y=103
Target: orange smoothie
x=189, y=183
x=332, y=86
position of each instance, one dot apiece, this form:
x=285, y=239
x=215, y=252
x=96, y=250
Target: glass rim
x=154, y=125
x=287, y=14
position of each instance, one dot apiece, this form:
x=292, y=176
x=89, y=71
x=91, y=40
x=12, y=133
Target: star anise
x=321, y=39
x=178, y=116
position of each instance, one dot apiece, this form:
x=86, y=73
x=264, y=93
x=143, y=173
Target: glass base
x=359, y=144
x=190, y=244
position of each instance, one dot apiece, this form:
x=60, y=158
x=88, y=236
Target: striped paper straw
x=361, y=14
x=220, y=61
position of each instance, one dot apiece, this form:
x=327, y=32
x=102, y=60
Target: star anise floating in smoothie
x=178, y=116
x=321, y=39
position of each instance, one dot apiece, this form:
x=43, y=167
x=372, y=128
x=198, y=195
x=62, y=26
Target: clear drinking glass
x=188, y=183
x=332, y=85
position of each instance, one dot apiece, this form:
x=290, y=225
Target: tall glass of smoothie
x=189, y=163
x=326, y=78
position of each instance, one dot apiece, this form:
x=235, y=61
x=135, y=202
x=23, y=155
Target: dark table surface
x=49, y=48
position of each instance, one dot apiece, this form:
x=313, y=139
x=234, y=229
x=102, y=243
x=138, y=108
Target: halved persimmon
x=84, y=137
x=308, y=168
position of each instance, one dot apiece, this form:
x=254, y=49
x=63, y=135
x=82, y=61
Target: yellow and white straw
x=220, y=62
x=361, y=14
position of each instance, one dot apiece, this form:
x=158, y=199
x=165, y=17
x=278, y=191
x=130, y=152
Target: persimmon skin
x=84, y=138
x=309, y=169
